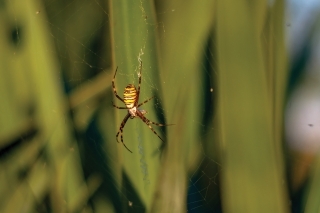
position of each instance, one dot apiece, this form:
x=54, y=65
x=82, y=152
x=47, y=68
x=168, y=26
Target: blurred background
x=239, y=80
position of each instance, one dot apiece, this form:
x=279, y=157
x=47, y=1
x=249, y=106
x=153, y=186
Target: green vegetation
x=218, y=71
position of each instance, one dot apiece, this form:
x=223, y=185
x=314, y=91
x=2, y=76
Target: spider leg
x=114, y=87
x=147, y=121
x=138, y=90
x=119, y=107
x=157, y=124
x=121, y=131
x=145, y=101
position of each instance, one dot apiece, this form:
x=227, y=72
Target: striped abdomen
x=130, y=95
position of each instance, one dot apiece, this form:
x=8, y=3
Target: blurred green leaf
x=249, y=107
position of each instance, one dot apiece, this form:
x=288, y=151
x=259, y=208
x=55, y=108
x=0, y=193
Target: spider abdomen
x=130, y=95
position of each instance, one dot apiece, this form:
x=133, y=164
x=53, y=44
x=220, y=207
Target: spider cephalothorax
x=131, y=99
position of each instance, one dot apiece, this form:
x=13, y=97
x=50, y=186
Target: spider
x=131, y=100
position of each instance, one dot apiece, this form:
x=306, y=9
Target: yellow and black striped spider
x=131, y=100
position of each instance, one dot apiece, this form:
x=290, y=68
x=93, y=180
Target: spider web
x=81, y=60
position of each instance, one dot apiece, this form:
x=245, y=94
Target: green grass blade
x=185, y=35
x=134, y=39
x=251, y=177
